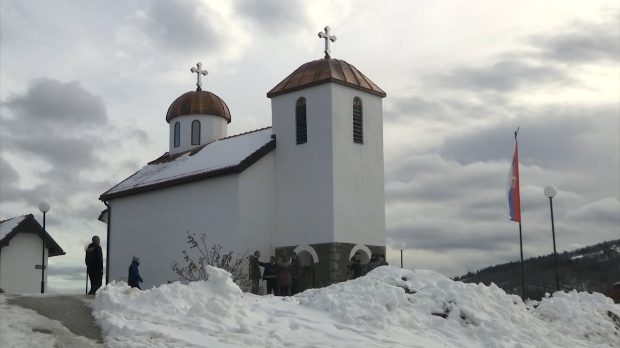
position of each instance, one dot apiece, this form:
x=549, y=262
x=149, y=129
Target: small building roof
x=229, y=155
x=198, y=102
x=323, y=71
x=9, y=228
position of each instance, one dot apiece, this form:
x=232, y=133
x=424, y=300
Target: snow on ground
x=20, y=328
x=390, y=307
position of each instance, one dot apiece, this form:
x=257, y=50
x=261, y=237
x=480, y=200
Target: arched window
x=301, y=127
x=196, y=132
x=358, y=124
x=177, y=134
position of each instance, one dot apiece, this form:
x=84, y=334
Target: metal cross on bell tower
x=198, y=72
x=325, y=35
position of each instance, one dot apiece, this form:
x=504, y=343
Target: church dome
x=323, y=71
x=198, y=102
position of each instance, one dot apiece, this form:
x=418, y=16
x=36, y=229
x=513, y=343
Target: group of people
x=356, y=269
x=94, y=267
x=282, y=277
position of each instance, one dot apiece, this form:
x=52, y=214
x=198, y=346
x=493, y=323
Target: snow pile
x=390, y=307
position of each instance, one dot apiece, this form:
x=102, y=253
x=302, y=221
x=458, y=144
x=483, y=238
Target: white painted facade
x=233, y=210
x=211, y=128
x=329, y=189
x=18, y=260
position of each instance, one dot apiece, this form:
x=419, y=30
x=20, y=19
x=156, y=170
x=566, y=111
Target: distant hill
x=594, y=268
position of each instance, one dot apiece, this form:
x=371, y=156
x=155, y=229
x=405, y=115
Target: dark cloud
x=504, y=76
x=175, y=27
x=52, y=121
x=555, y=137
x=65, y=105
x=9, y=179
x=66, y=127
x=582, y=43
x=274, y=15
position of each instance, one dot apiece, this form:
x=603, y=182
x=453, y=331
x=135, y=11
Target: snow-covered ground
x=24, y=328
x=373, y=311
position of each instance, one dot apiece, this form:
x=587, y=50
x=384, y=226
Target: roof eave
x=379, y=93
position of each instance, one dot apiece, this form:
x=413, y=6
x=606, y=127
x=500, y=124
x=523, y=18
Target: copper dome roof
x=322, y=71
x=198, y=102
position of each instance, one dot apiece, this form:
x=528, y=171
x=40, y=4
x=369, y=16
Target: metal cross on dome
x=325, y=35
x=198, y=72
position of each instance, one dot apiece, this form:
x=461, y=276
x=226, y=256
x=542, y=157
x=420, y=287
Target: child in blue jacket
x=134, y=278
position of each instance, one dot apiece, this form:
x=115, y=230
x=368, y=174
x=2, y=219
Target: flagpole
x=522, y=267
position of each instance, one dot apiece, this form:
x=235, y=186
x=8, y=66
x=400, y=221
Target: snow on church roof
x=8, y=225
x=228, y=155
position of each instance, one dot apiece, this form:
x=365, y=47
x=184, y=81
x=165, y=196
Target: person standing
x=270, y=275
x=134, y=278
x=355, y=266
x=283, y=271
x=295, y=273
x=254, y=271
x=94, y=264
x=375, y=261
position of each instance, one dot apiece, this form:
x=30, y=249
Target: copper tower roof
x=198, y=102
x=323, y=71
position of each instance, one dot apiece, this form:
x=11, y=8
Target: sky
x=85, y=86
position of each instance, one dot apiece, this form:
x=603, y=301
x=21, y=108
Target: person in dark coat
x=254, y=271
x=270, y=275
x=375, y=261
x=94, y=264
x=134, y=278
x=283, y=271
x=295, y=273
x=354, y=268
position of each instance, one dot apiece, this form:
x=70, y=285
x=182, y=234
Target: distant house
x=21, y=247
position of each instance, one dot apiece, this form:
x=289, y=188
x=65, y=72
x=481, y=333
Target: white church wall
x=211, y=128
x=153, y=225
x=303, y=173
x=256, y=208
x=18, y=274
x=359, y=189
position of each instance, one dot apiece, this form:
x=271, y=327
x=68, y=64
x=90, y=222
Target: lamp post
x=401, y=246
x=44, y=207
x=550, y=192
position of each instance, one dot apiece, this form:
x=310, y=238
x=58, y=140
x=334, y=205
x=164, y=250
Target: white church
x=312, y=183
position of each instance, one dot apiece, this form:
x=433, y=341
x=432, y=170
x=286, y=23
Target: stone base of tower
x=326, y=263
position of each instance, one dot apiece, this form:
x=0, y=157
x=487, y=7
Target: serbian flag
x=512, y=189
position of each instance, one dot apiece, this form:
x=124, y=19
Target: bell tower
x=329, y=194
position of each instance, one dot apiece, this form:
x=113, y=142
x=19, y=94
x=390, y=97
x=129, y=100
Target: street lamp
x=44, y=207
x=401, y=246
x=550, y=192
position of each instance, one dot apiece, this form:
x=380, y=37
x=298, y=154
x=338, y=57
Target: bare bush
x=195, y=270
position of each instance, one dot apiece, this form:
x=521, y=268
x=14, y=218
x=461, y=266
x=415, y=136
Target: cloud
x=582, y=42
x=505, y=75
x=68, y=272
x=51, y=121
x=274, y=16
x=62, y=129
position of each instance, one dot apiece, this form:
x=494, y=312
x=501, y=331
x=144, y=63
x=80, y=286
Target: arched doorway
x=308, y=258
x=363, y=250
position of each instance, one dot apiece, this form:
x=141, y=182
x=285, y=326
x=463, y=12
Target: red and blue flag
x=512, y=190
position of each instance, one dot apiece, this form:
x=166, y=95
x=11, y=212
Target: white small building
x=23, y=242
x=312, y=183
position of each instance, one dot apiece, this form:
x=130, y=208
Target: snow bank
x=390, y=307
